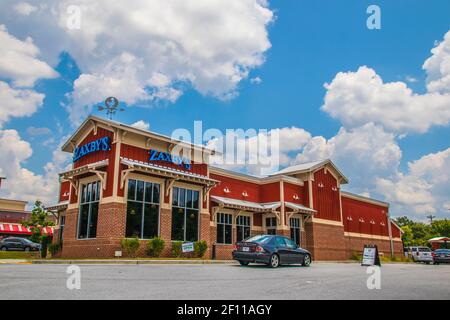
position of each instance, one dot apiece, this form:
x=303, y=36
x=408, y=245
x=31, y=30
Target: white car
x=421, y=254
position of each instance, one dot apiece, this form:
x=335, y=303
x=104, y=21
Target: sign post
x=370, y=256
x=187, y=247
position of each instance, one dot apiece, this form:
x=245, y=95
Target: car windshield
x=259, y=239
x=424, y=249
x=27, y=241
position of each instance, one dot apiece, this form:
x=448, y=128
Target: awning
x=299, y=208
x=71, y=175
x=439, y=239
x=59, y=206
x=245, y=205
x=15, y=228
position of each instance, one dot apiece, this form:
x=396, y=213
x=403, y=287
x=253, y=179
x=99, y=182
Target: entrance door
x=295, y=230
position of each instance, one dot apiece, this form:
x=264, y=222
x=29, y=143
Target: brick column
x=165, y=226
x=205, y=232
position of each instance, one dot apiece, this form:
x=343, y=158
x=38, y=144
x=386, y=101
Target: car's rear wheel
x=306, y=260
x=274, y=261
x=244, y=263
x=4, y=249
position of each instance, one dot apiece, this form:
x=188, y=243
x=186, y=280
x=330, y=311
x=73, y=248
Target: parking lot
x=320, y=281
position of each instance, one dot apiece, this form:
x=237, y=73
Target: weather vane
x=111, y=106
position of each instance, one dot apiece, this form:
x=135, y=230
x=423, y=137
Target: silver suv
x=421, y=254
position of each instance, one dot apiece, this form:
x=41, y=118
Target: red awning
x=15, y=228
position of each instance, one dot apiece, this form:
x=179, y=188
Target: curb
x=132, y=262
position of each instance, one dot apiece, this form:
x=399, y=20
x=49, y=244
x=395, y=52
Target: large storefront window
x=224, y=228
x=185, y=207
x=295, y=230
x=87, y=220
x=271, y=225
x=242, y=227
x=142, y=209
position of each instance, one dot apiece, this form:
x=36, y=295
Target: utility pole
x=431, y=218
x=3, y=178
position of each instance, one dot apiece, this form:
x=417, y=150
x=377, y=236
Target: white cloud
x=24, y=8
x=256, y=80
x=17, y=102
x=424, y=189
x=22, y=183
x=38, y=131
x=438, y=67
x=141, y=124
x=19, y=62
x=165, y=37
x=362, y=154
x=356, y=98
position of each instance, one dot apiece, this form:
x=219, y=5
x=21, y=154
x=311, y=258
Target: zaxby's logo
x=102, y=144
x=156, y=155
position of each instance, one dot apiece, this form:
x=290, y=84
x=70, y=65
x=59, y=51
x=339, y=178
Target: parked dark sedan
x=18, y=244
x=272, y=250
x=441, y=256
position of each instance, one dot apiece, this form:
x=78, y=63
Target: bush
x=200, y=248
x=54, y=248
x=176, y=249
x=155, y=246
x=356, y=256
x=130, y=246
x=44, y=246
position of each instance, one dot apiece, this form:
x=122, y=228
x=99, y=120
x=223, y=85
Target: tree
x=404, y=221
x=37, y=221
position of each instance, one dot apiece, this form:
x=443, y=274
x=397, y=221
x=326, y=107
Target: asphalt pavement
x=320, y=281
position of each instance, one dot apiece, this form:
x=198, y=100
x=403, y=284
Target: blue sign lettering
x=102, y=144
x=156, y=155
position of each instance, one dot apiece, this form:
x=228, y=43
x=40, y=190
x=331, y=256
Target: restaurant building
x=124, y=182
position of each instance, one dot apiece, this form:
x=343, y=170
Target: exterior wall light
x=245, y=194
x=295, y=197
x=226, y=190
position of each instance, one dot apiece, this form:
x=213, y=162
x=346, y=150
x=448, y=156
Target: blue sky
x=311, y=42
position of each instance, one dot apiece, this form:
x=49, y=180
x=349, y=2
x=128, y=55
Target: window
x=242, y=227
x=87, y=220
x=271, y=225
x=185, y=207
x=62, y=222
x=142, y=209
x=295, y=230
x=224, y=228
x=279, y=242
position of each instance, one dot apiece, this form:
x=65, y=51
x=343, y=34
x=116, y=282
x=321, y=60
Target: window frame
x=99, y=194
x=243, y=226
x=294, y=227
x=176, y=205
x=143, y=203
x=230, y=216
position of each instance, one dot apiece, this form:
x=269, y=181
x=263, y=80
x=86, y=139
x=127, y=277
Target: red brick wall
x=356, y=245
x=325, y=242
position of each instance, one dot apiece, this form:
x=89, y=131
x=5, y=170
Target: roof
x=242, y=204
x=439, y=239
x=163, y=170
x=363, y=198
x=309, y=167
x=119, y=125
x=59, y=206
x=298, y=207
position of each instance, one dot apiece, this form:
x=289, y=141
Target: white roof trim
x=85, y=168
x=162, y=169
x=255, y=206
x=58, y=206
x=299, y=207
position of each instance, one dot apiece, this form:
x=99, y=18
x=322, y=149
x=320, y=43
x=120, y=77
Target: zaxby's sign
x=102, y=144
x=156, y=155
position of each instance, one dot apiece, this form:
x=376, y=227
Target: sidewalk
x=130, y=261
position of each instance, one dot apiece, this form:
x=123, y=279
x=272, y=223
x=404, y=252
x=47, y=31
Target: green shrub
x=176, y=249
x=155, y=246
x=54, y=248
x=356, y=256
x=200, y=248
x=130, y=246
